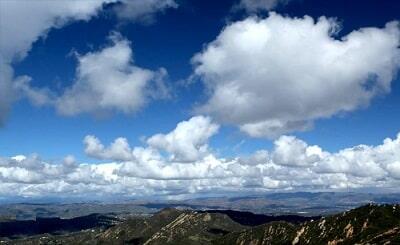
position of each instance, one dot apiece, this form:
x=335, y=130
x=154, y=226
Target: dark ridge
x=251, y=219
x=15, y=228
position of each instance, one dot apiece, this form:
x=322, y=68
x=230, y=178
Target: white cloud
x=187, y=142
x=119, y=149
x=252, y=6
x=136, y=171
x=143, y=11
x=291, y=151
x=273, y=128
x=207, y=168
x=394, y=169
x=363, y=160
x=107, y=80
x=37, y=96
x=259, y=157
x=277, y=75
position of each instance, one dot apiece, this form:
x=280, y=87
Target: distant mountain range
x=303, y=203
x=297, y=203
x=369, y=224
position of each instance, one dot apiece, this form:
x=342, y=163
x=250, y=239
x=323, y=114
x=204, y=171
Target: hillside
x=365, y=225
x=169, y=226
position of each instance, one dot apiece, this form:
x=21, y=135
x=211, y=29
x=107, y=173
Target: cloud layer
x=277, y=75
x=191, y=168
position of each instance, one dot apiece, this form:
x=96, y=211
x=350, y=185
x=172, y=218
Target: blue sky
x=169, y=35
x=171, y=41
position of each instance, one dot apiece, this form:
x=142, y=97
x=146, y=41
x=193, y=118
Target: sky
x=179, y=98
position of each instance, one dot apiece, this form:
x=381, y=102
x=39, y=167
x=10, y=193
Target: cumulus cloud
x=187, y=142
x=107, y=80
x=291, y=151
x=363, y=160
x=253, y=6
x=119, y=150
x=124, y=170
x=279, y=74
x=143, y=11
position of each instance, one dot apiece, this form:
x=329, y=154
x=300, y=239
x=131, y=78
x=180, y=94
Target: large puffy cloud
x=119, y=150
x=294, y=152
x=276, y=75
x=107, y=80
x=23, y=22
x=292, y=164
x=187, y=142
x=364, y=160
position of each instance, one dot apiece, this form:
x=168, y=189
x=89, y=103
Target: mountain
x=169, y=226
x=369, y=224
